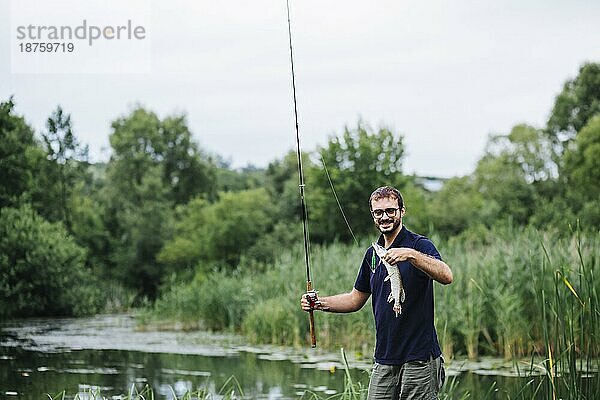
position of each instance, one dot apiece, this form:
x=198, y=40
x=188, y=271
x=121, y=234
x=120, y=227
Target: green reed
x=518, y=293
x=230, y=390
x=570, y=322
x=492, y=308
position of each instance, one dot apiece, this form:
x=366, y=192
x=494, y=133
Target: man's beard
x=395, y=224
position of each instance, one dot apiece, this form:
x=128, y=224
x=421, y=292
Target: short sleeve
x=426, y=246
x=363, y=280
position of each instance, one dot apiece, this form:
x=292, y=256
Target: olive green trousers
x=410, y=381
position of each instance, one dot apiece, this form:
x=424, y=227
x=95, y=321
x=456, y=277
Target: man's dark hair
x=386, y=192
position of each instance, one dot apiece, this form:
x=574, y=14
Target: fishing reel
x=313, y=300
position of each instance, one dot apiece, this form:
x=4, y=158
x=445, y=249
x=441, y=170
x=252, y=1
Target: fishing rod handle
x=311, y=318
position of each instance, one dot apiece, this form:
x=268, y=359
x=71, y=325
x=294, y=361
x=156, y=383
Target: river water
x=108, y=353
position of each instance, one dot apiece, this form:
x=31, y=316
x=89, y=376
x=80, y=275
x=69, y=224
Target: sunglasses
x=390, y=212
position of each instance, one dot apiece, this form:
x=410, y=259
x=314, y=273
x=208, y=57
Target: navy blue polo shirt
x=410, y=336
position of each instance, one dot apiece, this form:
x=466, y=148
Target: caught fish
x=397, y=294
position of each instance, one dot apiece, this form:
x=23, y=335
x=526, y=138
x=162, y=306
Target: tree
x=456, y=206
x=531, y=150
x=217, y=234
x=234, y=223
x=67, y=163
x=141, y=140
x=582, y=173
x=187, y=170
x=145, y=227
x=281, y=183
x=19, y=153
x=186, y=248
x=581, y=161
x=576, y=104
x=231, y=180
x=88, y=229
x=517, y=172
x=505, y=191
x=137, y=146
x=505, y=185
x=358, y=161
x=154, y=167
x=41, y=268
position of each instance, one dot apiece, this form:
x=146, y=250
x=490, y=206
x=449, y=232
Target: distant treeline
x=78, y=238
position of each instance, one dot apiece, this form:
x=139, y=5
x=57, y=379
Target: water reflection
x=31, y=374
x=106, y=353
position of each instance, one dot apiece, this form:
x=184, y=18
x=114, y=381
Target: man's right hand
x=310, y=301
x=339, y=303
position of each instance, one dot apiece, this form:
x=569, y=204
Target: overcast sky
x=444, y=74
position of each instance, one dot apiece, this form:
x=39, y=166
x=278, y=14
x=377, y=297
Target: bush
x=42, y=269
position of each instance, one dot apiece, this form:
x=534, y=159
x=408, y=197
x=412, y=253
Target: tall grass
x=571, y=328
x=230, y=390
x=538, y=296
x=517, y=293
x=492, y=308
x=265, y=305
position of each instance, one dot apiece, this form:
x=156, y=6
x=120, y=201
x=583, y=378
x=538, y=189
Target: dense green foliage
x=41, y=268
x=18, y=156
x=578, y=102
x=65, y=165
x=358, y=161
x=155, y=165
x=215, y=233
x=164, y=219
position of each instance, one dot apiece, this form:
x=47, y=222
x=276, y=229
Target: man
x=408, y=362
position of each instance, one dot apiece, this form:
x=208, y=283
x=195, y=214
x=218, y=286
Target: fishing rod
x=309, y=288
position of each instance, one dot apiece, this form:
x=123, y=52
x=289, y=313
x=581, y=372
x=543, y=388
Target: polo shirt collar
x=399, y=238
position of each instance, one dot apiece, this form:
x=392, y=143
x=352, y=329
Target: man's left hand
x=399, y=254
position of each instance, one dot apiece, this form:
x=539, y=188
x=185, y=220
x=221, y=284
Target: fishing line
x=300, y=170
x=337, y=199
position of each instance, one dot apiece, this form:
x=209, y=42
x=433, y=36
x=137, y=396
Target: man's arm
x=436, y=269
x=339, y=303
